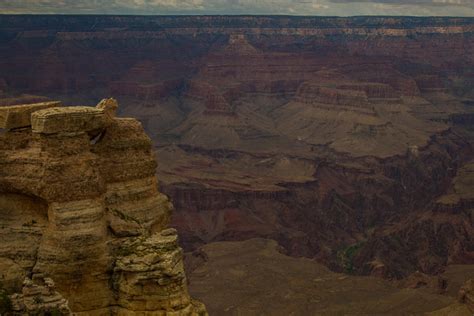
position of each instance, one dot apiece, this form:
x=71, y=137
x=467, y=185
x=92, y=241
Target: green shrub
x=346, y=256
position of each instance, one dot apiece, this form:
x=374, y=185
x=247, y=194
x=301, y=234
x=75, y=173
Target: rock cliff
x=80, y=205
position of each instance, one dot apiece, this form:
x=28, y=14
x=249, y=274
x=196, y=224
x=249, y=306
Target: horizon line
x=236, y=15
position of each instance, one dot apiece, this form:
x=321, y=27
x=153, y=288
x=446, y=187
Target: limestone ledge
x=18, y=116
x=68, y=120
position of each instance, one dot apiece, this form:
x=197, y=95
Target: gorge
x=348, y=141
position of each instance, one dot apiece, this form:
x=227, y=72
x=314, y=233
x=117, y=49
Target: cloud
x=413, y=2
x=294, y=7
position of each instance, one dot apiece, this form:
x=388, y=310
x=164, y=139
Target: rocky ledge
x=80, y=205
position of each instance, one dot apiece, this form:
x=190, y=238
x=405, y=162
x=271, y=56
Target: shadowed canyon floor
x=346, y=140
x=253, y=278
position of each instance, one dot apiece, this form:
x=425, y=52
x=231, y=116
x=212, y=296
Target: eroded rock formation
x=80, y=205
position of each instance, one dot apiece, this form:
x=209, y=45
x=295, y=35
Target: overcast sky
x=293, y=7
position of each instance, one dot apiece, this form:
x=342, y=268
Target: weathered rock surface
x=68, y=120
x=149, y=276
x=80, y=204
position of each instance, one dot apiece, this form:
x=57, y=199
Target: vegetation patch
x=346, y=256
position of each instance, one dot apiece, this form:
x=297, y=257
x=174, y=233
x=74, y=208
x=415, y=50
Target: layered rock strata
x=20, y=116
x=80, y=205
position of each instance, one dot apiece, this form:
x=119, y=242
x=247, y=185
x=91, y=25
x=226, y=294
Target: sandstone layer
x=80, y=205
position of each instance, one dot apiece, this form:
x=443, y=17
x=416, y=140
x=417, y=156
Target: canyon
x=348, y=141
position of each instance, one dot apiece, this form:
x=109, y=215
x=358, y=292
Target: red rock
x=314, y=93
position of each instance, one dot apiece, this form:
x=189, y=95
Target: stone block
x=74, y=119
x=17, y=116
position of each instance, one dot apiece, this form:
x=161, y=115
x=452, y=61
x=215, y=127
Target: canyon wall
x=343, y=139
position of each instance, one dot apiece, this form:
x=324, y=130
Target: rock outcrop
x=80, y=205
x=310, y=93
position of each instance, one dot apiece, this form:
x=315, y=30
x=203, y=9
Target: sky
x=287, y=7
